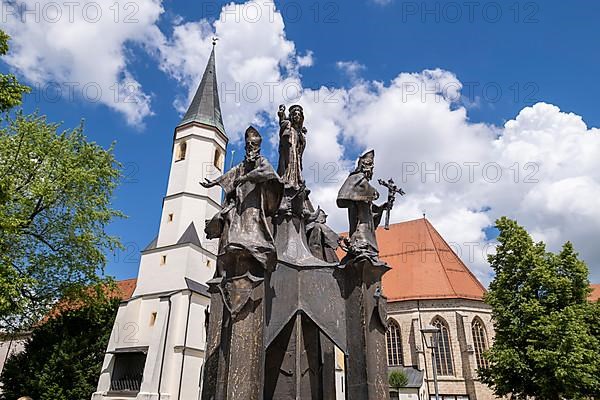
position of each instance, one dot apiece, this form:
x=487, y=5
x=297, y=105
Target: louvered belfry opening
x=127, y=372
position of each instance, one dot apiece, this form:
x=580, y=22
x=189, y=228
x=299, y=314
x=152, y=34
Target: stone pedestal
x=234, y=367
x=328, y=367
x=366, y=324
x=304, y=318
x=293, y=363
x=214, y=363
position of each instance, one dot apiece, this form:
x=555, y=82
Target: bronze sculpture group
x=281, y=300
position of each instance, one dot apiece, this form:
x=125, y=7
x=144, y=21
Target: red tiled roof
x=125, y=288
x=423, y=265
x=595, y=295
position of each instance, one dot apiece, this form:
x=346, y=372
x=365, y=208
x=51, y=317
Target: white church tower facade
x=156, y=350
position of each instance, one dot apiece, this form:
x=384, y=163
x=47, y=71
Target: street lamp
x=433, y=332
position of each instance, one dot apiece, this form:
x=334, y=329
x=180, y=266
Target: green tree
x=63, y=358
x=547, y=334
x=11, y=91
x=55, y=191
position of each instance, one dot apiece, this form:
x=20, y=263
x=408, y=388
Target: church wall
x=181, y=261
x=155, y=349
x=134, y=330
x=179, y=347
x=200, y=265
x=201, y=130
x=185, y=209
x=197, y=330
x=192, y=375
x=198, y=164
x=10, y=347
x=132, y=327
x=185, y=176
x=459, y=314
x=172, y=363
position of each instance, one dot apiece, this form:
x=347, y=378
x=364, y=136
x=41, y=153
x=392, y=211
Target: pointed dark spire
x=205, y=107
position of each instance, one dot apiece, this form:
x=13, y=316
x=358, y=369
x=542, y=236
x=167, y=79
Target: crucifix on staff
x=392, y=191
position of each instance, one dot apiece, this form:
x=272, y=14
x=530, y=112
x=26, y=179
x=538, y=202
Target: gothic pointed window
x=443, y=348
x=479, y=342
x=394, y=344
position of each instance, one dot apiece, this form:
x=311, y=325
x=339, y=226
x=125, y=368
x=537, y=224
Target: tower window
x=153, y=318
x=163, y=260
x=181, y=151
x=479, y=342
x=394, y=344
x=219, y=159
x=443, y=350
x=170, y=217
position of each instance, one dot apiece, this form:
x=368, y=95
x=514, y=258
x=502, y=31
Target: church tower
x=157, y=346
x=180, y=250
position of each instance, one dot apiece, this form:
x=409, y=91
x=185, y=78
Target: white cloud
x=306, y=60
x=80, y=48
x=382, y=2
x=257, y=65
x=550, y=177
x=352, y=69
x=541, y=167
x=463, y=175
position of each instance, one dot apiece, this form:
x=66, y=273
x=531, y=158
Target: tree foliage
x=547, y=342
x=398, y=379
x=63, y=358
x=55, y=191
x=11, y=91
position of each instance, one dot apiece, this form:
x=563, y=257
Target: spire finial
x=424, y=214
x=205, y=108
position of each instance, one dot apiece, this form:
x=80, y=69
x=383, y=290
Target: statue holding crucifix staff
x=358, y=196
x=366, y=304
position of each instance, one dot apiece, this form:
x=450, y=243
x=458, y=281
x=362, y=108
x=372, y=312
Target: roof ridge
x=438, y=255
x=469, y=272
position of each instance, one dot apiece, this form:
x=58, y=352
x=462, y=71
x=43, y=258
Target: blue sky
x=533, y=52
